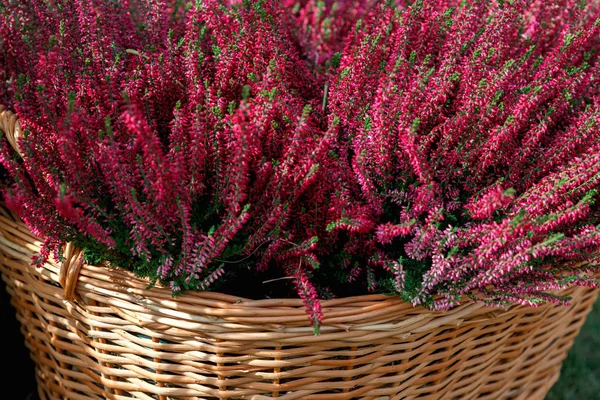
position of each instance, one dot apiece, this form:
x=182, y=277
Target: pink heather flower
x=444, y=147
x=495, y=198
x=388, y=231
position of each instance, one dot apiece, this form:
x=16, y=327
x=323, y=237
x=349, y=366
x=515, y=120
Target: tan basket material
x=9, y=124
x=106, y=336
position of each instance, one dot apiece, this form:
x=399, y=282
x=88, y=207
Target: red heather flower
x=494, y=199
x=444, y=147
x=167, y=140
x=466, y=110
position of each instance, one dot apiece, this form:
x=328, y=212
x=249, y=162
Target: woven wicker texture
x=118, y=340
x=96, y=332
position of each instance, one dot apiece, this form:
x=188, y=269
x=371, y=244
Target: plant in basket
x=438, y=151
x=434, y=148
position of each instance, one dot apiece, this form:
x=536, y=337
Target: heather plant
x=472, y=140
x=433, y=149
x=170, y=146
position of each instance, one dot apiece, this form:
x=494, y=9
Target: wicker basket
x=96, y=332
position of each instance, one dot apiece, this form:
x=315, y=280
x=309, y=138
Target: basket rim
x=372, y=312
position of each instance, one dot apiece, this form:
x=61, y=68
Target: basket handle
x=70, y=269
x=73, y=257
x=10, y=125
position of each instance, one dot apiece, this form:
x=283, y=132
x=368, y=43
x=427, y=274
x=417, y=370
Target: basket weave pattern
x=106, y=336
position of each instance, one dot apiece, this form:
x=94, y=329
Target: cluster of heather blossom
x=435, y=149
x=471, y=136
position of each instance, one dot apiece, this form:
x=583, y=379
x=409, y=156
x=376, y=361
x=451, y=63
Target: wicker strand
x=276, y=372
x=158, y=371
x=102, y=341
x=350, y=366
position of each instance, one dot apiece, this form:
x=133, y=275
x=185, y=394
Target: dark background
x=18, y=373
